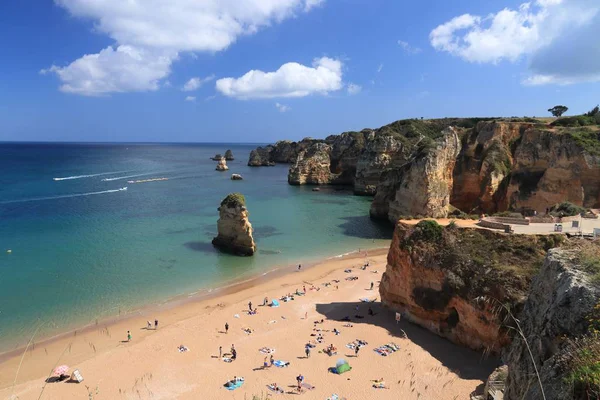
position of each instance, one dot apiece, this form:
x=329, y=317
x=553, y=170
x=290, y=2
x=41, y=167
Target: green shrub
x=588, y=140
x=566, y=209
x=233, y=200
x=427, y=230
x=509, y=214
x=576, y=121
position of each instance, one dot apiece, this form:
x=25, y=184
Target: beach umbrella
x=61, y=370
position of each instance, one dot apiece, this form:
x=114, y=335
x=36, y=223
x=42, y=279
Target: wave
x=67, y=178
x=66, y=196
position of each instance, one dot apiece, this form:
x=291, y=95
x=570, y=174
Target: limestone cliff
x=222, y=165
x=333, y=162
x=561, y=300
x=439, y=279
x=234, y=228
x=423, y=185
x=382, y=153
x=283, y=152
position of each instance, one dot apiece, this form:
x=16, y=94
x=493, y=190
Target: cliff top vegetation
x=234, y=200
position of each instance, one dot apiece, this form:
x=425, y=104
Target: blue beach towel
x=274, y=303
x=280, y=364
x=233, y=386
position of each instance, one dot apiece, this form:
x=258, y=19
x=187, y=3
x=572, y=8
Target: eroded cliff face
x=330, y=163
x=423, y=186
x=562, y=298
x=407, y=165
x=283, y=152
x=234, y=228
x=440, y=278
x=549, y=168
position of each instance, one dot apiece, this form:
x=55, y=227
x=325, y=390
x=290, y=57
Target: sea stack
x=229, y=155
x=235, y=230
x=222, y=165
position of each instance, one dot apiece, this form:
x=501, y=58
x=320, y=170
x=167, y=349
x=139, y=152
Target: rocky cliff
x=440, y=278
x=423, y=185
x=284, y=152
x=332, y=162
x=416, y=167
x=234, y=228
x=563, y=300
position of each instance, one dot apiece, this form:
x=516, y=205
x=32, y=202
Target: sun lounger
x=76, y=376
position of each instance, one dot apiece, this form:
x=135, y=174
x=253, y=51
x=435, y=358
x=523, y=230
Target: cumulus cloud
x=408, y=48
x=121, y=69
x=290, y=80
x=157, y=31
x=190, y=98
x=196, y=82
x=558, y=38
x=353, y=88
x=282, y=107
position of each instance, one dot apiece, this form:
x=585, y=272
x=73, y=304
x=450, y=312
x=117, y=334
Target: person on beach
x=304, y=288
x=265, y=301
x=307, y=351
x=299, y=379
x=226, y=327
x=271, y=360
x=220, y=351
x=265, y=362
x=155, y=324
x=372, y=284
x=299, y=267
x=233, y=352
x=148, y=325
x=128, y=336
x=250, y=306
x=306, y=315
x=356, y=349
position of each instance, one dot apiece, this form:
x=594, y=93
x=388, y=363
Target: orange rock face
x=446, y=284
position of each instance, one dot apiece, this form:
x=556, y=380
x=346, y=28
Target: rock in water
x=235, y=231
x=236, y=177
x=217, y=157
x=229, y=155
x=222, y=165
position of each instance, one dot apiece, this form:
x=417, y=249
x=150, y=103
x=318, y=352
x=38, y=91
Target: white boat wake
x=66, y=196
x=68, y=178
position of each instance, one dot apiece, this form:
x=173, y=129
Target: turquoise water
x=82, y=249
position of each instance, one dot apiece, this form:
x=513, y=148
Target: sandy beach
x=150, y=366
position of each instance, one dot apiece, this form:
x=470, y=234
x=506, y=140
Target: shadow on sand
x=466, y=363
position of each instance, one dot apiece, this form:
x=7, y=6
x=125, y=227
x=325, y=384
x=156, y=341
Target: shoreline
x=200, y=295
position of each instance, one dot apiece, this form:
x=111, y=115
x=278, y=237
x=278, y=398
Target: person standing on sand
x=299, y=267
x=299, y=379
x=220, y=351
x=307, y=351
x=226, y=327
x=371, y=285
x=250, y=305
x=155, y=324
x=271, y=360
x=128, y=336
x=148, y=325
x=356, y=350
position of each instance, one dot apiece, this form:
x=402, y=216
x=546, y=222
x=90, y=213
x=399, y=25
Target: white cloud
x=353, y=88
x=408, y=48
x=379, y=68
x=124, y=69
x=558, y=37
x=290, y=80
x=190, y=98
x=157, y=31
x=282, y=107
x=196, y=82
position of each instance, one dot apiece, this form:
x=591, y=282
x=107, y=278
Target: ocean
x=85, y=244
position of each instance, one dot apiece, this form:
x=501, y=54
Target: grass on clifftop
x=233, y=200
x=482, y=262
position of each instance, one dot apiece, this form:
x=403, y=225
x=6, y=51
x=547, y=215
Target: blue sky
x=325, y=66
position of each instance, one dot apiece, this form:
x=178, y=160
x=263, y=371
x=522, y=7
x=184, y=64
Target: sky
x=257, y=71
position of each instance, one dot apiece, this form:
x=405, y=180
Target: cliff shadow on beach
x=466, y=363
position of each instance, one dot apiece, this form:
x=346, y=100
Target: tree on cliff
x=558, y=111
